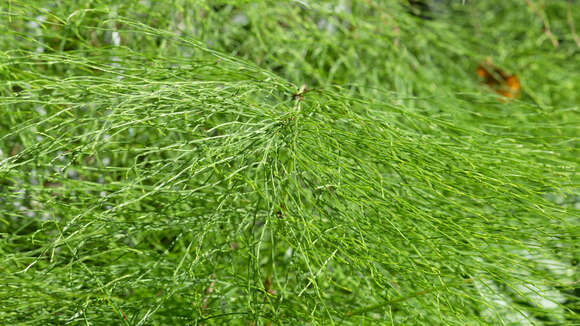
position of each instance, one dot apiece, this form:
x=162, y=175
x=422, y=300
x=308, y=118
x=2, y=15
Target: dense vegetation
x=289, y=163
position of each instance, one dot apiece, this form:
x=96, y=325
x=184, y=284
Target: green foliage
x=287, y=163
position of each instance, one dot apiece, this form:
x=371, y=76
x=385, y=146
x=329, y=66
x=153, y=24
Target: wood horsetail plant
x=289, y=163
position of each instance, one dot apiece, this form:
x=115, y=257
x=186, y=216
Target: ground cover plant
x=348, y=162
